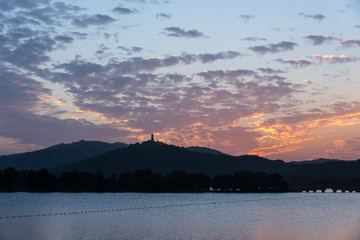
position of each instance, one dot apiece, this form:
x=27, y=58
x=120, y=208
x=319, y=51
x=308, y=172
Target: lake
x=179, y=216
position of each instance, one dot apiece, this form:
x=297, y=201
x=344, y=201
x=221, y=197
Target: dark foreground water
x=179, y=216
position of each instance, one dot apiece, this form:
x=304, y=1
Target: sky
x=278, y=79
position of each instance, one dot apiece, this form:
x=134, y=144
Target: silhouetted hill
x=316, y=161
x=57, y=155
x=205, y=150
x=163, y=158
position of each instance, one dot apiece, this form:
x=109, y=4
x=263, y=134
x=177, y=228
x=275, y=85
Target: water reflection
x=181, y=216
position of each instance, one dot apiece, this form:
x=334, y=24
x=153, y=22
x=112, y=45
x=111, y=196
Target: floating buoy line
x=141, y=208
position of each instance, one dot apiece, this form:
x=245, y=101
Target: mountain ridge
x=159, y=157
x=56, y=155
x=205, y=150
x=164, y=158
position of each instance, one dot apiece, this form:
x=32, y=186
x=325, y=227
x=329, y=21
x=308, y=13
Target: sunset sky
x=279, y=79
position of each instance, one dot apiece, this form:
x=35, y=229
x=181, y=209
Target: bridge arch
x=331, y=189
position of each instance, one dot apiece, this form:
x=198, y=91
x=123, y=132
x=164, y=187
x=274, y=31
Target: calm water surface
x=179, y=216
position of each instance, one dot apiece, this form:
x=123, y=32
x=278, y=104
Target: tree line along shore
x=143, y=180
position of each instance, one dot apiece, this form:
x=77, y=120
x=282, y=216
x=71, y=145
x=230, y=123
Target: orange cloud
x=281, y=137
x=342, y=149
x=134, y=130
x=335, y=59
x=339, y=143
x=274, y=151
x=58, y=101
x=83, y=111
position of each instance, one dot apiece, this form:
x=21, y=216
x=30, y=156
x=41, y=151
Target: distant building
x=152, y=137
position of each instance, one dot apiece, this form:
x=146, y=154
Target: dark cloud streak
x=253, y=39
x=246, y=18
x=319, y=39
x=317, y=17
x=80, y=68
x=97, y=19
x=300, y=63
x=163, y=16
x=269, y=70
x=274, y=48
x=350, y=43
x=206, y=58
x=130, y=50
x=125, y=11
x=182, y=33
x=23, y=4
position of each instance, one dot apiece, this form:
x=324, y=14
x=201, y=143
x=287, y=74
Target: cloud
x=125, y=11
x=320, y=39
x=335, y=59
x=180, y=32
x=173, y=104
x=339, y=143
x=343, y=149
x=29, y=53
x=136, y=1
x=17, y=91
x=228, y=74
x=344, y=110
x=206, y=58
x=81, y=68
x=37, y=12
x=150, y=1
x=130, y=50
x=246, y=18
x=97, y=19
x=253, y=39
x=22, y=101
x=11, y=5
x=44, y=15
x=14, y=145
x=308, y=81
x=340, y=74
x=125, y=95
x=356, y=26
x=293, y=130
x=163, y=16
x=228, y=138
x=64, y=39
x=299, y=63
x=317, y=17
x=16, y=36
x=60, y=6
x=136, y=49
x=47, y=130
x=350, y=43
x=79, y=35
x=51, y=14
x=269, y=70
x=274, y=48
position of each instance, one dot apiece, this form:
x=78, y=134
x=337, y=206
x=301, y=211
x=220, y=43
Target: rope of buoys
x=141, y=208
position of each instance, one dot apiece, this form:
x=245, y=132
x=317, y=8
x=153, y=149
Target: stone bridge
x=330, y=189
